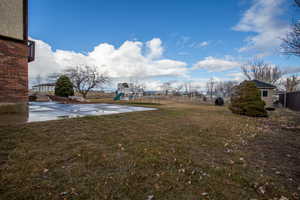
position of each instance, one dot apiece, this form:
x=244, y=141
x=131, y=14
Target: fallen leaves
x=45, y=170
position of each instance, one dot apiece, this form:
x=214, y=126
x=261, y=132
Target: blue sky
x=191, y=40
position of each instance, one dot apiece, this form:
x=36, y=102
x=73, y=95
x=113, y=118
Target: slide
x=118, y=97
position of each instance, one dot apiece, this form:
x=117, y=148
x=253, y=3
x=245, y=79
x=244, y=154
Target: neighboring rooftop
x=261, y=84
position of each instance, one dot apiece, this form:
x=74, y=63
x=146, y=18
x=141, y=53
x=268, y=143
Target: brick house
x=15, y=52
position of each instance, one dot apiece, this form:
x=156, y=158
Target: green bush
x=246, y=100
x=64, y=87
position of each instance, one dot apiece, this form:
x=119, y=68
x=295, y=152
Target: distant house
x=267, y=91
x=44, y=88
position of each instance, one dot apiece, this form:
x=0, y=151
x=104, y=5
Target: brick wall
x=13, y=72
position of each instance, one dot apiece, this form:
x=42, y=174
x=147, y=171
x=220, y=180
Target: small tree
x=64, y=87
x=219, y=101
x=246, y=100
x=85, y=78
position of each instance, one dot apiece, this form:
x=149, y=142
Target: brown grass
x=180, y=151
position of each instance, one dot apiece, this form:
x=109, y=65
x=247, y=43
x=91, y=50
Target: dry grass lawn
x=180, y=151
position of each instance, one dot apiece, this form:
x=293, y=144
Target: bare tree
x=138, y=85
x=190, y=89
x=229, y=87
x=291, y=42
x=210, y=87
x=167, y=87
x=225, y=88
x=85, y=78
x=38, y=79
x=187, y=88
x=259, y=70
x=220, y=89
x=290, y=84
x=177, y=89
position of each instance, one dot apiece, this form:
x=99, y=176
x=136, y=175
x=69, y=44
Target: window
x=265, y=93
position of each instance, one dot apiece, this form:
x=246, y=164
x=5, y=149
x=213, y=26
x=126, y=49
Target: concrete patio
x=44, y=111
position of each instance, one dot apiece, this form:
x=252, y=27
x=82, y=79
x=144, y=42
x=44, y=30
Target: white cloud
x=126, y=61
x=45, y=61
x=236, y=76
x=148, y=83
x=292, y=70
x=199, y=44
x=203, y=44
x=263, y=18
x=212, y=64
x=155, y=48
x=153, y=85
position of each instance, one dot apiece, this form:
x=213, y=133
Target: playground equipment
x=127, y=91
x=118, y=96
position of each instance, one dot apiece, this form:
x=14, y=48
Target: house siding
x=269, y=99
x=12, y=18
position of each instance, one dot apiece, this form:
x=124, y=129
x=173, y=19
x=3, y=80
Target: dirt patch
x=276, y=151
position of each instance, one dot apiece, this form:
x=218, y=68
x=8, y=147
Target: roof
x=261, y=84
x=44, y=84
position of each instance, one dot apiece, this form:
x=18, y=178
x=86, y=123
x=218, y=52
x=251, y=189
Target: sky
x=156, y=41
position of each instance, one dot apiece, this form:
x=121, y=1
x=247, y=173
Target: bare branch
x=259, y=70
x=225, y=88
x=291, y=43
x=210, y=87
x=85, y=78
x=291, y=83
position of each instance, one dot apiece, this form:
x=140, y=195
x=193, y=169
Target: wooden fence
x=290, y=100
